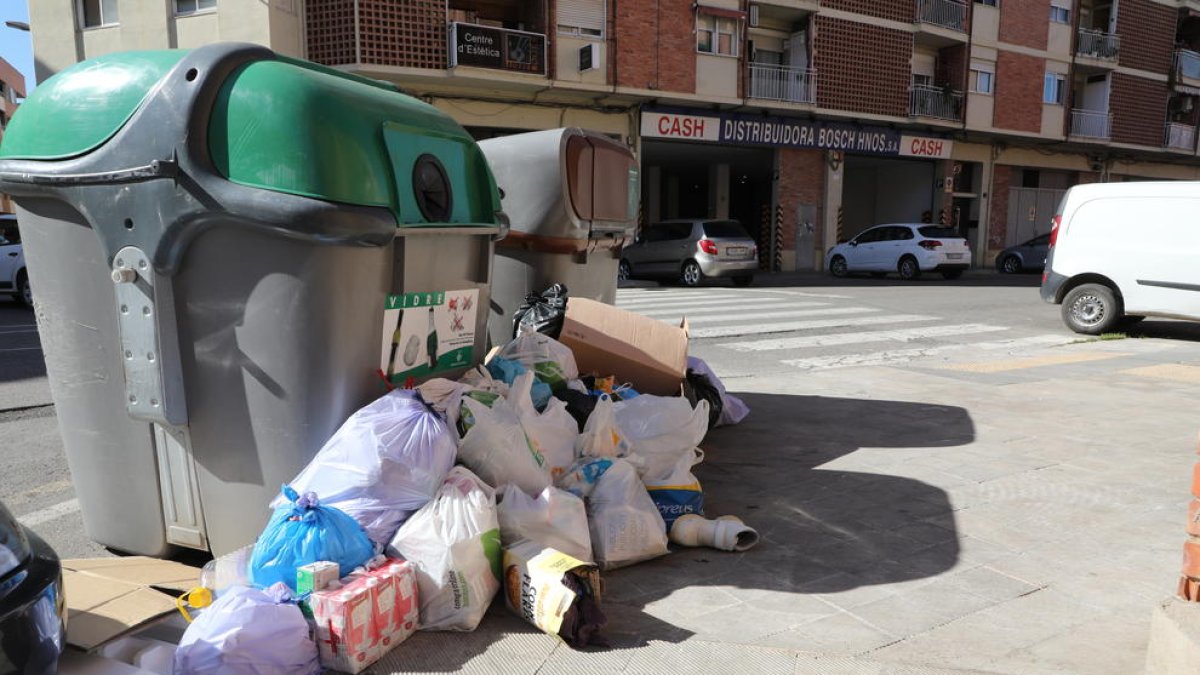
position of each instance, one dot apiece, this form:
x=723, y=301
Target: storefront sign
x=687, y=127
x=734, y=129
x=920, y=146
x=501, y=48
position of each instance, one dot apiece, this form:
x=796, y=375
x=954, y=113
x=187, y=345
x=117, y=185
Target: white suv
x=13, y=277
x=907, y=249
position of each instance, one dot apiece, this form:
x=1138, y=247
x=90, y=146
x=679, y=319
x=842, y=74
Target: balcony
x=1098, y=45
x=789, y=84
x=929, y=100
x=1092, y=124
x=950, y=14
x=1180, y=137
x=1187, y=70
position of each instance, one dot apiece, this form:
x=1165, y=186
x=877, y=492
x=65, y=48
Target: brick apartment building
x=808, y=120
x=12, y=91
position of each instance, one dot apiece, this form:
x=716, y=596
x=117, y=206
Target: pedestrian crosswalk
x=781, y=324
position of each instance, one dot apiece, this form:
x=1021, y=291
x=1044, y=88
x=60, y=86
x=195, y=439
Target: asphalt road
x=783, y=325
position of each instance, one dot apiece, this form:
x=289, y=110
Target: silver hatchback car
x=690, y=251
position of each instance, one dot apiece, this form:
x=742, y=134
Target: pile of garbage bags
x=523, y=478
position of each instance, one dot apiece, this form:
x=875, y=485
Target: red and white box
x=372, y=612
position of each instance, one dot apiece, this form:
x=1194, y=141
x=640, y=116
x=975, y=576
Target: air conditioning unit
x=754, y=16
x=589, y=57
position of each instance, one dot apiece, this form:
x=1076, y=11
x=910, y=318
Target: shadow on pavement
x=822, y=530
x=1164, y=329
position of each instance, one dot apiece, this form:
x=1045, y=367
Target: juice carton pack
x=363, y=619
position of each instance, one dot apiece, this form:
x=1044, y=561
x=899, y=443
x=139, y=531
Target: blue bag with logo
x=306, y=532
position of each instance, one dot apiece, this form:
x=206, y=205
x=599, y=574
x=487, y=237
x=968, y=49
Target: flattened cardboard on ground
x=649, y=354
x=109, y=597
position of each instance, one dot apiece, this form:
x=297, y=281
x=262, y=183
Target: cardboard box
x=111, y=597
x=533, y=587
x=649, y=354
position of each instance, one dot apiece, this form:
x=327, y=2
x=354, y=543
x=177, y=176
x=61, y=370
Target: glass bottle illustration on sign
x=431, y=342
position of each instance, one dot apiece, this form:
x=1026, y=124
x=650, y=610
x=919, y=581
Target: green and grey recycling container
x=230, y=250
x=572, y=199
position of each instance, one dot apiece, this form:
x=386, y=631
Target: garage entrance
x=886, y=190
x=695, y=180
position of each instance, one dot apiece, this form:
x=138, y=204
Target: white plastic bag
x=551, y=360
x=248, y=632
x=624, y=523
x=734, y=409
x=556, y=519
x=601, y=435
x=660, y=430
x=383, y=464
x=497, y=449
x=677, y=492
x=454, y=543
x=552, y=432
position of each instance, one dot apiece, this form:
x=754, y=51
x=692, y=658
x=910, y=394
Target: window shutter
x=585, y=14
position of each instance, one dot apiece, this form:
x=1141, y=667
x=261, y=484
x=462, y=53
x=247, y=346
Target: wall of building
x=895, y=10
x=862, y=67
x=800, y=187
x=1147, y=31
x=1025, y=22
x=1019, y=80
x=1139, y=108
x=655, y=46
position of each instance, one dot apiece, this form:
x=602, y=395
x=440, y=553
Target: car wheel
x=908, y=268
x=1010, y=265
x=24, y=291
x=624, y=271
x=742, y=282
x=1091, y=309
x=952, y=274
x=690, y=274
x=838, y=267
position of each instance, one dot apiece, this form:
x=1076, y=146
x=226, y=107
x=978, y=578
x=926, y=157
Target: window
x=989, y=3
x=933, y=231
x=1055, y=90
x=870, y=236
x=95, y=13
x=983, y=77
x=193, y=6
x=1060, y=14
x=725, y=228
x=716, y=35
x=581, y=18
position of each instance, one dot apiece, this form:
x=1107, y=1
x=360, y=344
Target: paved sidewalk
x=1007, y=514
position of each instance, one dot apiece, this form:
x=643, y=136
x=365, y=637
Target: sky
x=15, y=46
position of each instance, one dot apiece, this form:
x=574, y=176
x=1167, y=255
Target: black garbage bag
x=579, y=404
x=543, y=313
x=697, y=387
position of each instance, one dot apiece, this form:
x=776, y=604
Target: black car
x=33, y=612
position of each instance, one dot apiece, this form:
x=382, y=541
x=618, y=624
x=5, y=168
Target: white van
x=1120, y=252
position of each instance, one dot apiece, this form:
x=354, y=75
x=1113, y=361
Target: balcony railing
x=1187, y=64
x=928, y=100
x=1091, y=123
x=950, y=14
x=1098, y=44
x=1181, y=136
x=783, y=83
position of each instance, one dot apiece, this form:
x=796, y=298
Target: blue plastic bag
x=248, y=632
x=508, y=370
x=306, y=532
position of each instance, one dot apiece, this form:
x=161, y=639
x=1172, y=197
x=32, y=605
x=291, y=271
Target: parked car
x=691, y=251
x=33, y=612
x=13, y=278
x=907, y=249
x=1120, y=252
x=1030, y=255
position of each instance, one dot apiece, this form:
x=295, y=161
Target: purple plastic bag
x=248, y=632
